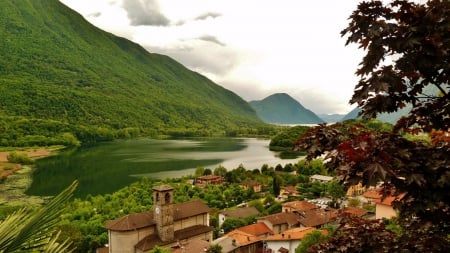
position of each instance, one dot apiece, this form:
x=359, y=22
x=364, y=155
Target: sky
x=254, y=48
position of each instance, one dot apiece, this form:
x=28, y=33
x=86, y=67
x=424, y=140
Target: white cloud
x=254, y=48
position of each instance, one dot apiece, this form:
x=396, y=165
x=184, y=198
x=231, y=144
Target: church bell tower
x=163, y=212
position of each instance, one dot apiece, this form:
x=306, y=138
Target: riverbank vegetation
x=20, y=131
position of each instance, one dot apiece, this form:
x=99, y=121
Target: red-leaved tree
x=407, y=61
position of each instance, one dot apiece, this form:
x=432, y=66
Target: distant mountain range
x=384, y=117
x=280, y=108
x=331, y=118
x=57, y=68
x=393, y=117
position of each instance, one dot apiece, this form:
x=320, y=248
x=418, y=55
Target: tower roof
x=162, y=188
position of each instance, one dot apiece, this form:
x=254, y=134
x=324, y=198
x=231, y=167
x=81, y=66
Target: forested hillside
x=71, y=77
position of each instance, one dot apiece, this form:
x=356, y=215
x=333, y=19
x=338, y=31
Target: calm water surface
x=107, y=167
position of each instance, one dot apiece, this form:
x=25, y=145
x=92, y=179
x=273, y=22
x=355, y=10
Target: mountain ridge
x=57, y=66
x=281, y=108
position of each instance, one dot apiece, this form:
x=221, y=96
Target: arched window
x=167, y=198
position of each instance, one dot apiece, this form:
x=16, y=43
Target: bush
x=15, y=157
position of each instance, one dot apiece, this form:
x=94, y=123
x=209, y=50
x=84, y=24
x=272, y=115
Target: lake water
x=107, y=167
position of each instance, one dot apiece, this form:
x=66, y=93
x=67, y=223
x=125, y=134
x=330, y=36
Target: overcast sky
x=253, y=47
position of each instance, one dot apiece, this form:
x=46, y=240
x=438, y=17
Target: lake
x=107, y=167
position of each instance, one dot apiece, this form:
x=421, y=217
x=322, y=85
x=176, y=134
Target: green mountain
x=281, y=108
x=59, y=73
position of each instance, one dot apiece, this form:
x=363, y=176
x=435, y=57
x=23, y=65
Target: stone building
x=167, y=225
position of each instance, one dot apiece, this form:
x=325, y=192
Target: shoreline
x=16, y=178
x=7, y=168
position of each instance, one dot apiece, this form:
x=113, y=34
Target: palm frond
x=54, y=246
x=26, y=229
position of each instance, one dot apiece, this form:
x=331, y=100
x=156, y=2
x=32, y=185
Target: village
x=185, y=227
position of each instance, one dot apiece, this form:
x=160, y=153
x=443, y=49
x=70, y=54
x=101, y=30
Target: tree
x=207, y=171
x=335, y=190
x=407, y=58
x=232, y=223
x=276, y=185
x=33, y=230
x=220, y=171
x=199, y=171
x=215, y=248
x=310, y=239
x=158, y=249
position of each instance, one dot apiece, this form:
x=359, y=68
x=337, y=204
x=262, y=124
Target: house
x=317, y=217
x=259, y=229
x=371, y=196
x=280, y=222
x=247, y=239
x=320, y=178
x=286, y=242
x=298, y=206
x=165, y=226
x=238, y=241
x=383, y=205
x=355, y=211
x=289, y=191
x=209, y=179
x=256, y=186
x=239, y=213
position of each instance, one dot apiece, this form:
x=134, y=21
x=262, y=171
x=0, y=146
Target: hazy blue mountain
x=353, y=114
x=280, y=108
x=393, y=117
x=330, y=118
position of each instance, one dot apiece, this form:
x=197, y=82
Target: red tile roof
x=150, y=241
x=189, y=209
x=300, y=205
x=243, y=238
x=131, y=222
x=290, y=189
x=372, y=194
x=209, y=177
x=259, y=229
x=145, y=219
x=291, y=234
x=317, y=217
x=281, y=218
x=377, y=195
x=357, y=211
x=389, y=200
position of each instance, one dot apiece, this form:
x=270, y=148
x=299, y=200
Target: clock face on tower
x=157, y=210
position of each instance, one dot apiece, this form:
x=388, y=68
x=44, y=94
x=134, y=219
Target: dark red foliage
x=407, y=48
